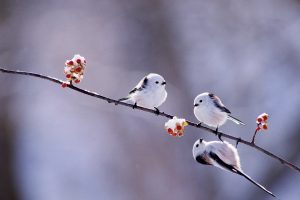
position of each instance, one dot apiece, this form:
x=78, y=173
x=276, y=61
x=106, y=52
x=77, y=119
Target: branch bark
x=109, y=100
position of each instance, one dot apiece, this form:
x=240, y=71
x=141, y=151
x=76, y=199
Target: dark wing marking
x=232, y=169
x=133, y=90
x=218, y=103
x=224, y=109
x=123, y=99
x=143, y=86
x=211, y=95
x=216, y=158
x=145, y=82
x=203, y=160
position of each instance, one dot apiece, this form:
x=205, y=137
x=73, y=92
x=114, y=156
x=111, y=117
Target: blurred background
x=57, y=144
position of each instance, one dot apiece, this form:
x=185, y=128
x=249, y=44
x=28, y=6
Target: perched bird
x=209, y=109
x=150, y=92
x=222, y=155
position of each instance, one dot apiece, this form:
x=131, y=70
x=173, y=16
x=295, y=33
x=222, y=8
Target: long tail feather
x=235, y=120
x=255, y=183
x=123, y=99
x=225, y=166
x=127, y=99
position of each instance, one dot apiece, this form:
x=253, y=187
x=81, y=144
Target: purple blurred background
x=57, y=144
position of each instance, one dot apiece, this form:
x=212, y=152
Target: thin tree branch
x=109, y=100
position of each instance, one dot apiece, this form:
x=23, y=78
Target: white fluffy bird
x=222, y=155
x=209, y=109
x=150, y=92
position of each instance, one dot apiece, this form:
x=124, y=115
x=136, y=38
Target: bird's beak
x=195, y=105
x=164, y=83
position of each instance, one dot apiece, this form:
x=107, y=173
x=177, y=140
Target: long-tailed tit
x=209, y=109
x=150, y=92
x=222, y=155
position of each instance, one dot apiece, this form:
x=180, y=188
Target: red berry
x=265, y=126
x=170, y=131
x=78, y=69
x=68, y=76
x=174, y=134
x=78, y=61
x=265, y=117
x=259, y=119
x=178, y=127
x=70, y=62
x=77, y=81
x=64, y=84
x=180, y=134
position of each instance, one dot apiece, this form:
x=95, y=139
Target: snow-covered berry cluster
x=261, y=121
x=175, y=126
x=74, y=69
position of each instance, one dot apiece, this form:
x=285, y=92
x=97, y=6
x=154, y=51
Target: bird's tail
x=255, y=183
x=123, y=99
x=126, y=100
x=235, y=120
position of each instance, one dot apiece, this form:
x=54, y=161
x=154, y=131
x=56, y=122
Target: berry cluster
x=74, y=69
x=261, y=122
x=175, y=126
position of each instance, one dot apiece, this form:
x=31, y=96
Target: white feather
x=209, y=109
x=152, y=95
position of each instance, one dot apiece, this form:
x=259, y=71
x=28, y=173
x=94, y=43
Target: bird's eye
x=197, y=145
x=156, y=82
x=200, y=101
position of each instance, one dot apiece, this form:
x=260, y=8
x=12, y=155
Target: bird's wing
x=133, y=90
x=231, y=168
x=226, y=152
x=221, y=163
x=141, y=85
x=218, y=103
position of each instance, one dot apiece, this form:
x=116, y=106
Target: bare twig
x=254, y=135
x=109, y=100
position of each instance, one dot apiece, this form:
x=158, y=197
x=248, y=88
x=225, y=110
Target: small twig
x=109, y=100
x=253, y=138
x=237, y=142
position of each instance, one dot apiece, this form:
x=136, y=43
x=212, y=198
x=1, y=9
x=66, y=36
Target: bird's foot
x=237, y=142
x=157, y=112
x=134, y=105
x=199, y=124
x=219, y=134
